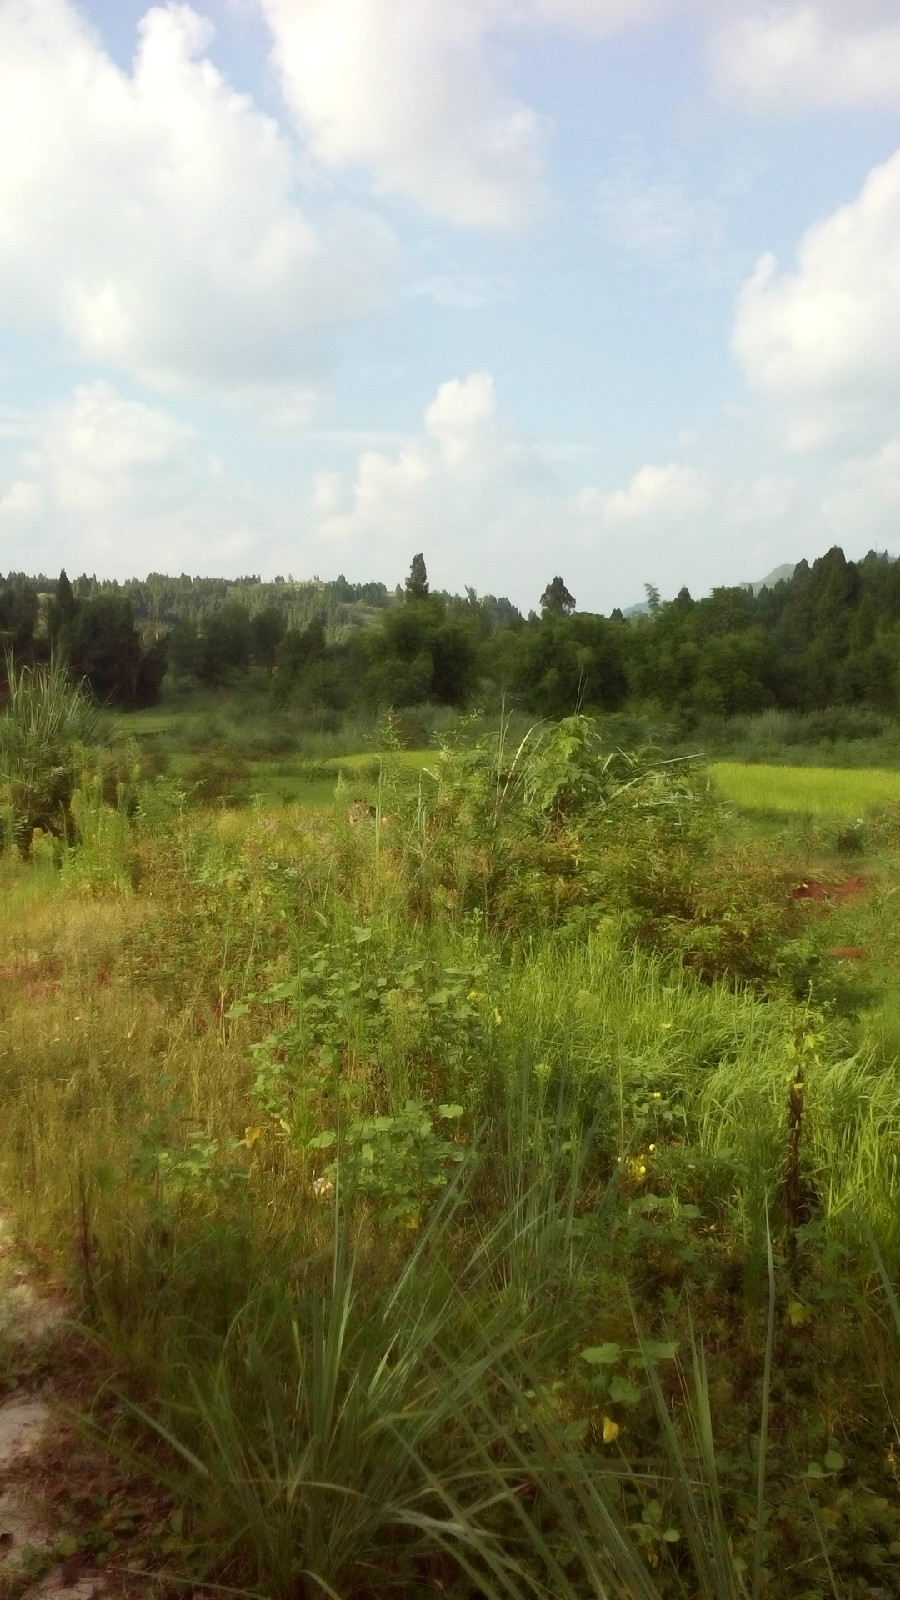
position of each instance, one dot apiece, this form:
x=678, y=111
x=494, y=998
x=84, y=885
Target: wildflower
x=322, y=1187
x=610, y=1430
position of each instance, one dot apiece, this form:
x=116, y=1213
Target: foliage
x=416, y=585
x=556, y=601
x=45, y=730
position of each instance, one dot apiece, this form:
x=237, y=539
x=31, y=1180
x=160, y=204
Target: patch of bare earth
x=61, y=1500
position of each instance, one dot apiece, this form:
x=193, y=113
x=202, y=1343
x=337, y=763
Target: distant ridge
x=772, y=579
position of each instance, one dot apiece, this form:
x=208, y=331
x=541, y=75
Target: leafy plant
x=45, y=730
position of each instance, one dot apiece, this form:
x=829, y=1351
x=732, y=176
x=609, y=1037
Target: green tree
x=267, y=629
x=421, y=653
x=417, y=582
x=225, y=644
x=62, y=608
x=19, y=608
x=556, y=601
x=102, y=645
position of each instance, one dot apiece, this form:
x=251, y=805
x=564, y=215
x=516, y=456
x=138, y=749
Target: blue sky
x=599, y=287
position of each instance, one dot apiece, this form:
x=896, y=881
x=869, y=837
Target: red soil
x=817, y=889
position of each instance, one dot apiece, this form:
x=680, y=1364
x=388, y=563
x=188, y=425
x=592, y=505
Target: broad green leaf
x=660, y=1350
x=322, y=1141
x=624, y=1391
x=602, y=1355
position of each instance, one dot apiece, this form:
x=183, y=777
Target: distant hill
x=773, y=578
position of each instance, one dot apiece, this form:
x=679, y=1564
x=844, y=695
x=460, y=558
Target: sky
x=603, y=288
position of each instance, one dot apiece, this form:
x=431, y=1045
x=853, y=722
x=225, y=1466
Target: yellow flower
x=610, y=1430
x=250, y=1136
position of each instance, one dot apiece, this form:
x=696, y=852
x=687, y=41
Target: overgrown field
x=489, y=1190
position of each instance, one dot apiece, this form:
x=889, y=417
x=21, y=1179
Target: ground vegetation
x=483, y=1181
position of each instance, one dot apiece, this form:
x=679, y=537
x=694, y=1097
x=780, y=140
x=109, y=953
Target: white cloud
x=791, y=58
x=413, y=92
x=820, y=343
x=670, y=492
x=116, y=486
x=485, y=505
x=861, y=500
x=151, y=216
x=462, y=484
x=416, y=92
x=112, y=485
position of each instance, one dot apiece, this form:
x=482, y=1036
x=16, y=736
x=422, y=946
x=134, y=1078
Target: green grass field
x=812, y=791
x=489, y=1204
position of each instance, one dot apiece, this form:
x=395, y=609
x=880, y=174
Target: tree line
x=827, y=636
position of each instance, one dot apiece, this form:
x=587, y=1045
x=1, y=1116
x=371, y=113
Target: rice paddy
x=812, y=791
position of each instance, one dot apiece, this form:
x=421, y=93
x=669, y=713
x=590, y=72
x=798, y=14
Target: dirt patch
x=848, y=952
x=73, y=1526
x=29, y=1314
x=22, y=1421
x=819, y=889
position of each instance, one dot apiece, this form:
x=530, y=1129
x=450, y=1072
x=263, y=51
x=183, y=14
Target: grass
x=424, y=1186
x=813, y=791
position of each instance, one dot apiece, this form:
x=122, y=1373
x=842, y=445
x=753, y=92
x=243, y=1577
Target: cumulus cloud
x=820, y=342
x=113, y=485
x=150, y=215
x=467, y=486
x=791, y=58
x=418, y=94
x=671, y=492
x=482, y=501
x=414, y=93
